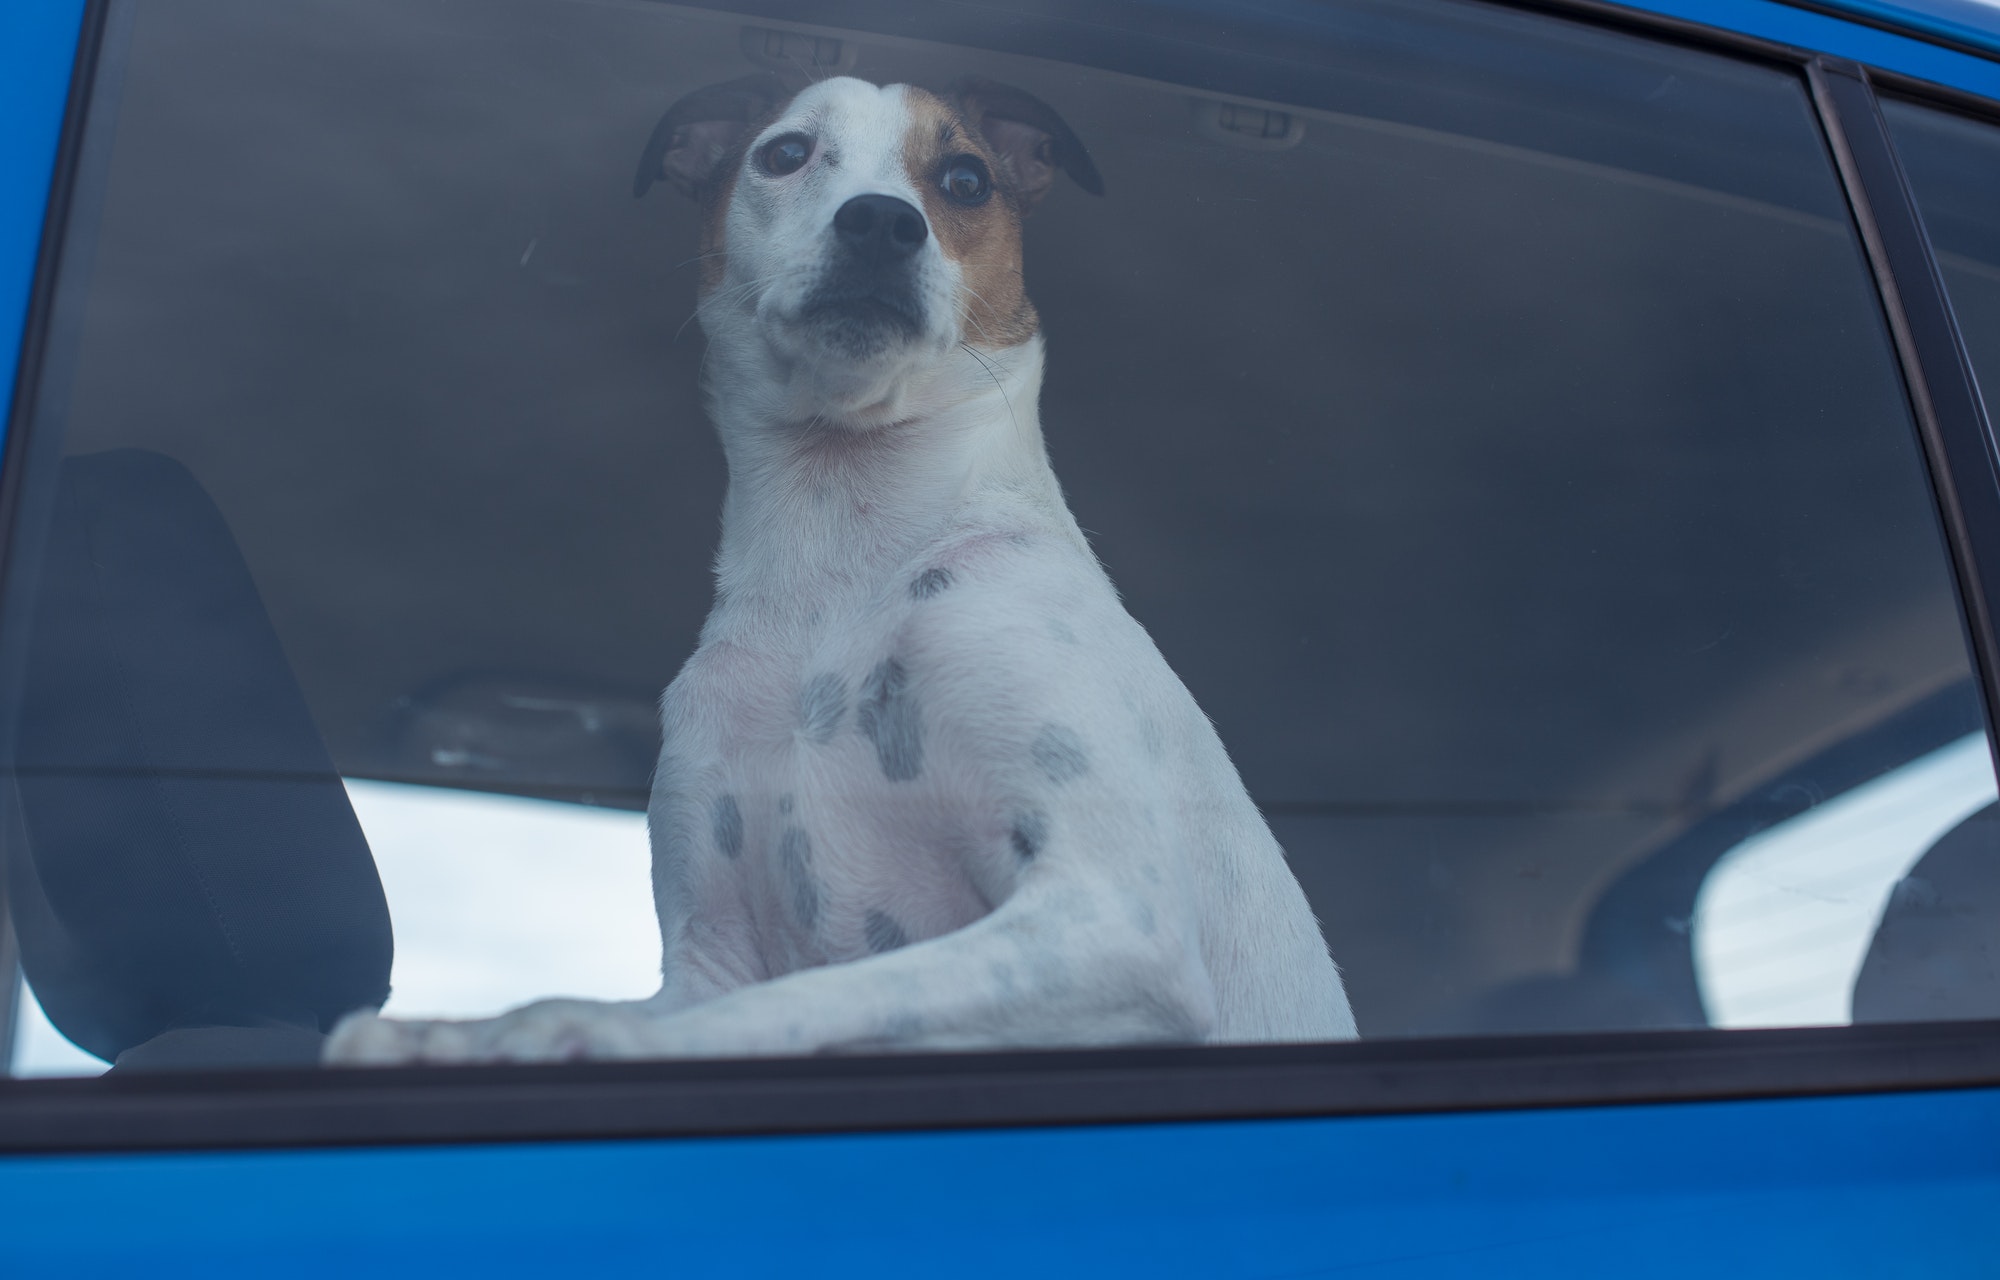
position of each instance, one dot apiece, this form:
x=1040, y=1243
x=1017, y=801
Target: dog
x=924, y=783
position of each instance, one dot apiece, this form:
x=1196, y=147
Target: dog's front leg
x=1069, y=959
x=1063, y=962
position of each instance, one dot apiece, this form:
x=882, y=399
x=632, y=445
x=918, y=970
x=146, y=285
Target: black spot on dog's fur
x=794, y=855
x=822, y=706
x=883, y=933
x=930, y=582
x=1059, y=754
x=728, y=827
x=888, y=718
x=1030, y=833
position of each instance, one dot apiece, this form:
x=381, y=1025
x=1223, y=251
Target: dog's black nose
x=880, y=229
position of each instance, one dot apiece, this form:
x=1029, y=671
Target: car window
x=1487, y=418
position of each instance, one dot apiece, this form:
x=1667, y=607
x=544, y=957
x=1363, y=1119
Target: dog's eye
x=965, y=180
x=788, y=154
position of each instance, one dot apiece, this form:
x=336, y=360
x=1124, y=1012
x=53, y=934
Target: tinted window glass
x=1488, y=417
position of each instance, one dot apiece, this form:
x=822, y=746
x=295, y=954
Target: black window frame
x=307, y=1108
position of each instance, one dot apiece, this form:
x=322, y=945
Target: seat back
x=190, y=857
x=1936, y=953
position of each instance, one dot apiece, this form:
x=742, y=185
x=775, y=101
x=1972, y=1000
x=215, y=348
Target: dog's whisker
x=981, y=300
x=984, y=336
x=1004, y=397
x=733, y=291
x=804, y=69
x=722, y=297
x=701, y=370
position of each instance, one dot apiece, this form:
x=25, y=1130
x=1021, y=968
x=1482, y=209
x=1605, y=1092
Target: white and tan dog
x=925, y=784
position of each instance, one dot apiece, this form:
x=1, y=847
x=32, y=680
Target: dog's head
x=855, y=236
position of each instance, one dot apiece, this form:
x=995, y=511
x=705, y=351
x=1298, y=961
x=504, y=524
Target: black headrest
x=191, y=859
x=1936, y=954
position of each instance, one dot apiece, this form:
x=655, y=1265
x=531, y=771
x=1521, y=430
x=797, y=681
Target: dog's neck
x=821, y=515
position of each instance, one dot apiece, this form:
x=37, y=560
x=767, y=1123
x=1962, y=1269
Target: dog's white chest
x=816, y=813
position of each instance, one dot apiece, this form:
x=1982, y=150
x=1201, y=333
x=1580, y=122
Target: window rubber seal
x=391, y=1106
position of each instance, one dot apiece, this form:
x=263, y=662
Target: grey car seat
x=1936, y=953
x=192, y=888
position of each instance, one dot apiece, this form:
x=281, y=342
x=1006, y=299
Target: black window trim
x=1894, y=84
x=304, y=1108
x=1937, y=371
x=394, y=1106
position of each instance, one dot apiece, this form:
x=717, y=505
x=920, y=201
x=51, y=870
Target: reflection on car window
x=1488, y=417
x=486, y=920
x=1785, y=918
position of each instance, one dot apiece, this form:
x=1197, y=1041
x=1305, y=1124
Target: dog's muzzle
x=867, y=297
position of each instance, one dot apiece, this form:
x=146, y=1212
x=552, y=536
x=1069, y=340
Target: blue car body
x=1900, y=1184
x=1895, y=1181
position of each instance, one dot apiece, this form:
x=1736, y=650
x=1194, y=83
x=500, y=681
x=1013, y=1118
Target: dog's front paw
x=366, y=1039
x=551, y=1031
x=567, y=1030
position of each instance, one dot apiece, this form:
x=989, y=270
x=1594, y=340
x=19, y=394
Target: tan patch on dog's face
x=983, y=238
x=715, y=229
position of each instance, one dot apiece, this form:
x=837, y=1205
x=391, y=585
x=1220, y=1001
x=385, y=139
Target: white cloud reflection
x=495, y=900
x=1784, y=920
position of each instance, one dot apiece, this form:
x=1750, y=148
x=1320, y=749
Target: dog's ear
x=1029, y=136
x=703, y=129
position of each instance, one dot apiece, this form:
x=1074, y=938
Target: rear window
x=1488, y=420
